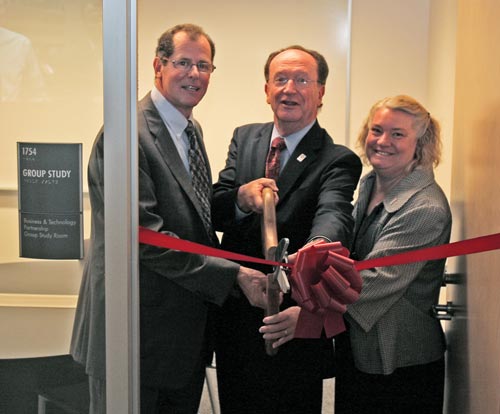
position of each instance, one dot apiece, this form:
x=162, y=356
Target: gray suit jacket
x=176, y=289
x=391, y=324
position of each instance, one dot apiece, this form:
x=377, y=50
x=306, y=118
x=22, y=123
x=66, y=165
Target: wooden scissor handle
x=269, y=244
x=268, y=224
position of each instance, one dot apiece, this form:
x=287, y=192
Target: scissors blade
x=281, y=256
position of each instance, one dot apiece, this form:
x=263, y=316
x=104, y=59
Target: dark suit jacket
x=316, y=190
x=175, y=288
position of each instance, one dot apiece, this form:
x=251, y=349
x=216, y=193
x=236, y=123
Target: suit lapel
x=305, y=154
x=168, y=150
x=263, y=140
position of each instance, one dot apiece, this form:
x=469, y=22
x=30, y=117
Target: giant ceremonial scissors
x=277, y=281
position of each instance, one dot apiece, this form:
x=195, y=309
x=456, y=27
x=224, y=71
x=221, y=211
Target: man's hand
x=250, y=195
x=253, y=285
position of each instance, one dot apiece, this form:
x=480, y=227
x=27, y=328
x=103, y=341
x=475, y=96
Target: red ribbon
x=153, y=238
x=470, y=246
x=311, y=324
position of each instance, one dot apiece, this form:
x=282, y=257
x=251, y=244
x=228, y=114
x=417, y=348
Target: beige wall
x=405, y=47
x=390, y=43
x=441, y=79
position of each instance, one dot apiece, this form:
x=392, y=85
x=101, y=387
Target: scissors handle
x=268, y=224
x=269, y=245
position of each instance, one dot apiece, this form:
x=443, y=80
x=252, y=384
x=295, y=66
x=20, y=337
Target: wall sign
x=50, y=200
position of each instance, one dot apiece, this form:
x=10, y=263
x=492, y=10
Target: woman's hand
x=280, y=327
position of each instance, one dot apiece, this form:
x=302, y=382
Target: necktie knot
x=191, y=133
x=278, y=143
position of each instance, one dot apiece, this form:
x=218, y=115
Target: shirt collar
x=170, y=115
x=294, y=139
x=418, y=179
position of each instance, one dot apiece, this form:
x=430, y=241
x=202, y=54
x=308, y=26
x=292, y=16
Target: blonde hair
x=428, y=150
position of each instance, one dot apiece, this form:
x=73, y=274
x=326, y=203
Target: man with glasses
x=177, y=290
x=314, y=181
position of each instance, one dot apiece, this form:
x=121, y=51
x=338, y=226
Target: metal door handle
x=445, y=312
x=453, y=279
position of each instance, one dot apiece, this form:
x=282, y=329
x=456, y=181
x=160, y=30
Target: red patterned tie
x=273, y=158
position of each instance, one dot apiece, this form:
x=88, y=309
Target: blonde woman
x=391, y=359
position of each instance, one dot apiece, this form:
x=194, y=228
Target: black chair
x=58, y=383
x=68, y=399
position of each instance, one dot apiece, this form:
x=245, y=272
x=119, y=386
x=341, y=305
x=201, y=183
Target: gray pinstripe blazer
x=175, y=288
x=391, y=324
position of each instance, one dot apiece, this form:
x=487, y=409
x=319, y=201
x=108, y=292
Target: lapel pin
x=301, y=157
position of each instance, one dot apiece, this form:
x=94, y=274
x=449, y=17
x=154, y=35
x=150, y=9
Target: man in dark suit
x=177, y=290
x=315, y=187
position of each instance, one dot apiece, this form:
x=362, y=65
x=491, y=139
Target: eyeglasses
x=185, y=65
x=300, y=82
